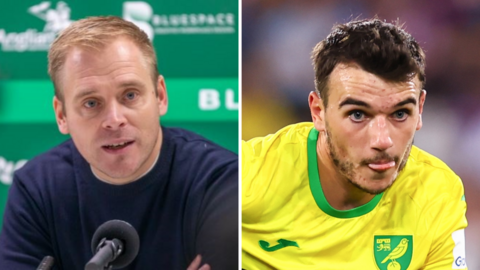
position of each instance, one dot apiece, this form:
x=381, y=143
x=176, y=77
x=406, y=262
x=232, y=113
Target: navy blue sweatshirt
x=186, y=205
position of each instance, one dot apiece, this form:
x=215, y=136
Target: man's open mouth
x=117, y=145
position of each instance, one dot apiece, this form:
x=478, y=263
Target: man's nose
x=380, y=138
x=114, y=117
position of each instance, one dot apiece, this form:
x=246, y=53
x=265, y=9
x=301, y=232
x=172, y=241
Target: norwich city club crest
x=393, y=252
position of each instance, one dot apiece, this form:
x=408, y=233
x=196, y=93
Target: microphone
x=46, y=263
x=115, y=245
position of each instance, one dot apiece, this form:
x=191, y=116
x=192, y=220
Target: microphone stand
x=107, y=251
x=46, y=263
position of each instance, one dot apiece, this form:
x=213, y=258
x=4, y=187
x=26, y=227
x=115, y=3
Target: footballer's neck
x=338, y=191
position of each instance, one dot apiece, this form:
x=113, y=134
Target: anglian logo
x=393, y=252
x=142, y=15
x=56, y=19
x=7, y=168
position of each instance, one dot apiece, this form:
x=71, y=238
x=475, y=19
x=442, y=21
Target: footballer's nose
x=380, y=135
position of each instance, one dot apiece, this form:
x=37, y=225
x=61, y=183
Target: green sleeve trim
x=282, y=243
x=317, y=190
x=463, y=197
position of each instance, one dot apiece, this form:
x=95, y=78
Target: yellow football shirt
x=417, y=223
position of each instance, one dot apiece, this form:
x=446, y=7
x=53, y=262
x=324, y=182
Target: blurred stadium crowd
x=277, y=75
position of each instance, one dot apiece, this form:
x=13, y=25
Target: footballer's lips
x=381, y=165
x=117, y=146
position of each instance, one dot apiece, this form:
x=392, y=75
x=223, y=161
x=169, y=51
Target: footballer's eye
x=400, y=115
x=357, y=116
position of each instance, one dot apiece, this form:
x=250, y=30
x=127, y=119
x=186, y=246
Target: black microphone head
x=122, y=231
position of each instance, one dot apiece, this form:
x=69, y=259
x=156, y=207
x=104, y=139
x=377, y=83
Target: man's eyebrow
x=352, y=101
x=406, y=101
x=83, y=94
x=128, y=84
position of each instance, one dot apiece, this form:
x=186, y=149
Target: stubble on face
x=347, y=168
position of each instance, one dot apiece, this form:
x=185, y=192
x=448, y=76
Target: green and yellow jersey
x=418, y=223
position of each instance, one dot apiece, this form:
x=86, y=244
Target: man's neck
x=339, y=192
x=127, y=180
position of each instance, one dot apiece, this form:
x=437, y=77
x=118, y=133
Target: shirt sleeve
x=217, y=237
x=24, y=239
x=246, y=160
x=448, y=246
x=252, y=186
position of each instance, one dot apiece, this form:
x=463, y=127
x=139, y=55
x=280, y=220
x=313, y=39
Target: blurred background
x=197, y=47
x=277, y=75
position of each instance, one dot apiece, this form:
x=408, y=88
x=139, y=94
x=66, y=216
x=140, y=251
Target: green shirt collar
x=317, y=190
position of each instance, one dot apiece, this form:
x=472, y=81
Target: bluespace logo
x=141, y=14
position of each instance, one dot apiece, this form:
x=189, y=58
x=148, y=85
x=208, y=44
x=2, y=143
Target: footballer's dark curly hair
x=380, y=48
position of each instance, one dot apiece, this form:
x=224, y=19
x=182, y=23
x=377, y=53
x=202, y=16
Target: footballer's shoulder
x=431, y=175
x=268, y=161
x=290, y=136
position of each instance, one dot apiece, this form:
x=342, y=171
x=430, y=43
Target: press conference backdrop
x=197, y=49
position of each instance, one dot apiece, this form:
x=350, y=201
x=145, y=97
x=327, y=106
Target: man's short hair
x=95, y=33
x=380, y=48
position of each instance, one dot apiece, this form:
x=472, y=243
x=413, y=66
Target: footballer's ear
x=59, y=109
x=423, y=96
x=317, y=111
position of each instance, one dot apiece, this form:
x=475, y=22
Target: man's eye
x=90, y=103
x=357, y=116
x=400, y=115
x=131, y=95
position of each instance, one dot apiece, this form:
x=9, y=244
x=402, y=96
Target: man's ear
x=60, y=116
x=162, y=95
x=423, y=96
x=317, y=111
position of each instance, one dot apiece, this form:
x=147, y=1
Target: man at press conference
x=178, y=190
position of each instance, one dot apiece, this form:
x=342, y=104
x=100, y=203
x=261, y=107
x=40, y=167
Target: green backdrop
x=197, y=49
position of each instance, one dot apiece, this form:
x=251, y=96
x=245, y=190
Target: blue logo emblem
x=460, y=261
